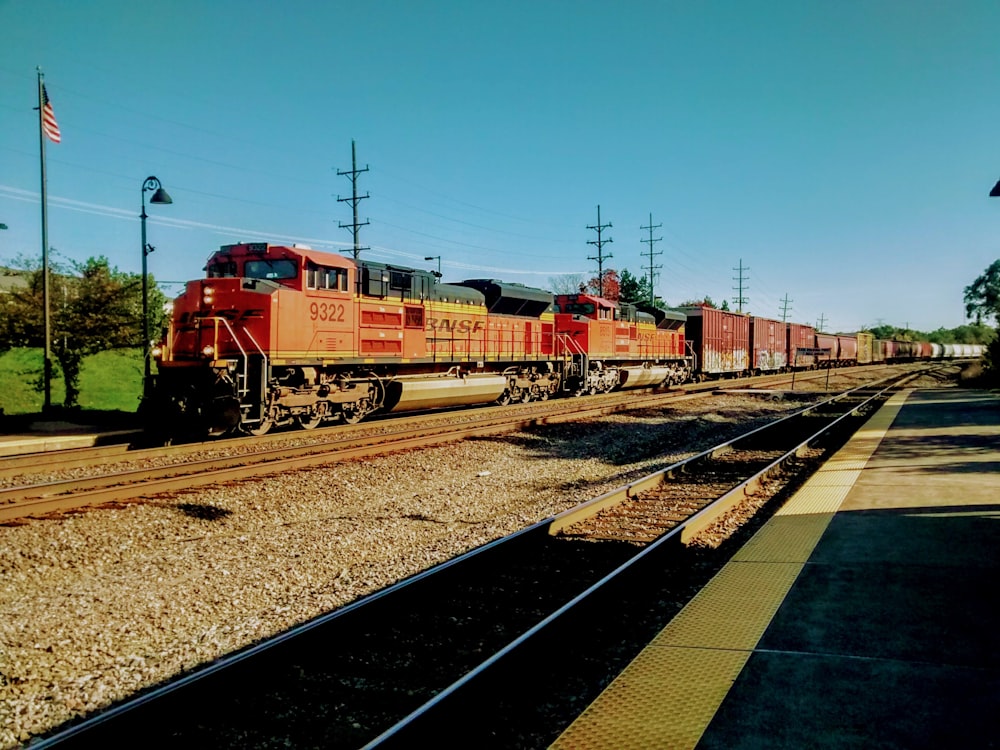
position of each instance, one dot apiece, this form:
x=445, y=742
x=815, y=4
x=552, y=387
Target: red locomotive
x=276, y=334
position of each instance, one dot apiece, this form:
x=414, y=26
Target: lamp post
x=995, y=192
x=159, y=196
x=438, y=259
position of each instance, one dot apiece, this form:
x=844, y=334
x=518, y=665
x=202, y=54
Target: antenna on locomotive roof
x=353, y=173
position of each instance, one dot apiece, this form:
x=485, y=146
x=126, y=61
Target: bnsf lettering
x=329, y=311
x=446, y=325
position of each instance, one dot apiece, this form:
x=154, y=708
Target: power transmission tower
x=821, y=323
x=600, y=257
x=739, y=299
x=352, y=174
x=650, y=254
x=785, y=307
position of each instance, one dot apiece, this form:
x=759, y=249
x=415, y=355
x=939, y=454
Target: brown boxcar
x=801, y=343
x=768, y=344
x=720, y=340
x=847, y=353
x=827, y=342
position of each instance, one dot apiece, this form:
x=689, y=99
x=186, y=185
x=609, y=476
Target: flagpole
x=47, y=365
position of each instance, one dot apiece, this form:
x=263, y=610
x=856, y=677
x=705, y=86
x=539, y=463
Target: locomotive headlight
x=157, y=352
x=208, y=351
x=208, y=295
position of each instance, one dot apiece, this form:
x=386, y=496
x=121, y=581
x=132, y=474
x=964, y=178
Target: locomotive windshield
x=221, y=269
x=580, y=308
x=271, y=269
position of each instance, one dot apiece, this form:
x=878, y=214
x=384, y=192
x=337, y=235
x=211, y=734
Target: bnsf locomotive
x=276, y=335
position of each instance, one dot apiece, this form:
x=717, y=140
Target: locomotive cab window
x=321, y=277
x=222, y=269
x=581, y=308
x=271, y=269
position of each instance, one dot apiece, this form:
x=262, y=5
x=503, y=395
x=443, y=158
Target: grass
x=110, y=385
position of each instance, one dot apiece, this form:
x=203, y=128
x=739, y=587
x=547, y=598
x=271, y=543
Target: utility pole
x=352, y=174
x=821, y=323
x=739, y=299
x=785, y=308
x=600, y=257
x=650, y=254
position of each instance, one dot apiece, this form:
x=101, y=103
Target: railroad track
x=182, y=467
x=461, y=651
x=185, y=469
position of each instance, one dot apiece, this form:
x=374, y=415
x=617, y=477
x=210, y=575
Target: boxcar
x=828, y=343
x=801, y=343
x=720, y=340
x=768, y=345
x=847, y=346
x=866, y=346
x=891, y=350
x=878, y=350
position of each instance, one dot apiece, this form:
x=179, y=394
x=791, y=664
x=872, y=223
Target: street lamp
x=995, y=192
x=159, y=196
x=438, y=259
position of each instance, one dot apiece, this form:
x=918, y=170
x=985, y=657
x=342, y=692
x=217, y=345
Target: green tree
x=982, y=296
x=706, y=302
x=633, y=288
x=92, y=307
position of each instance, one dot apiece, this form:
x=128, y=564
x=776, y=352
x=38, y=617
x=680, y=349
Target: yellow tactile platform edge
x=669, y=693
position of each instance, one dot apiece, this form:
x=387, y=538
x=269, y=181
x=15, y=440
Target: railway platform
x=863, y=614
x=58, y=435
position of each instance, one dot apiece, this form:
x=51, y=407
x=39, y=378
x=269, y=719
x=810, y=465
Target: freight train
x=277, y=335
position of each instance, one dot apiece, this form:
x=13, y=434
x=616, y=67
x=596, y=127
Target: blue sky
x=842, y=151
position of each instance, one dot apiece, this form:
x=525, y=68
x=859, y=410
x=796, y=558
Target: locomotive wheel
x=308, y=421
x=352, y=415
x=525, y=395
x=543, y=394
x=504, y=398
x=262, y=428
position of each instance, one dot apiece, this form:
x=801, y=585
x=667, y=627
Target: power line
x=785, y=308
x=739, y=299
x=600, y=257
x=650, y=254
x=354, y=200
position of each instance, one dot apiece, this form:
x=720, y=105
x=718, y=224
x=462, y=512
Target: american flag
x=49, y=125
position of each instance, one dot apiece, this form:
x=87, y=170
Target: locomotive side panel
x=456, y=331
